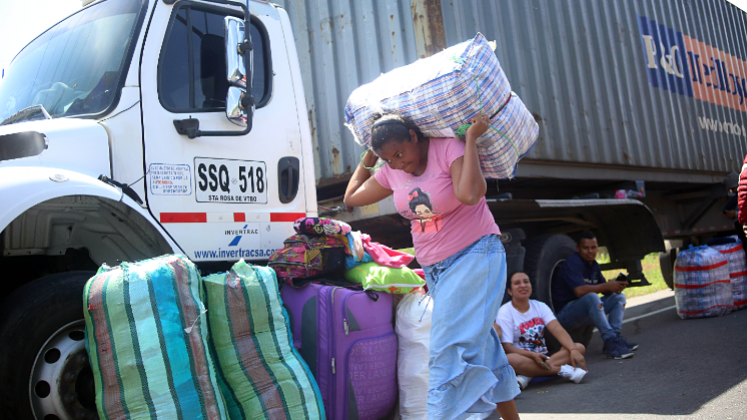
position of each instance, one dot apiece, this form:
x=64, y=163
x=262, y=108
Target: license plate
x=230, y=181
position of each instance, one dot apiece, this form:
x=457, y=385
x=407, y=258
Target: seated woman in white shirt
x=522, y=323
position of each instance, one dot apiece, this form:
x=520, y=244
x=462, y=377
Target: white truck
x=128, y=133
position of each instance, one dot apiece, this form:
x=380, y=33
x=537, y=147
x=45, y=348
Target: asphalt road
x=684, y=369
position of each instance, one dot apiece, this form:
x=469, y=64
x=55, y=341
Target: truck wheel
x=666, y=263
x=544, y=256
x=44, y=366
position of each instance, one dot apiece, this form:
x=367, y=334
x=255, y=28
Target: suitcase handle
x=373, y=295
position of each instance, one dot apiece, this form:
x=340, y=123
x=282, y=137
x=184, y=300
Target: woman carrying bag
x=457, y=243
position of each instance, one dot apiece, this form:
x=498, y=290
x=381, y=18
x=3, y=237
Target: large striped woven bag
x=735, y=255
x=260, y=373
x=701, y=283
x=443, y=92
x=147, y=339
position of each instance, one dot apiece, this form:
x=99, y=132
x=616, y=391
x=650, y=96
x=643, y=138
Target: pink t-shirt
x=441, y=225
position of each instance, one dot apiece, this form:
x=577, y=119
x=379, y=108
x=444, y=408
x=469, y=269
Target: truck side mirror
x=239, y=65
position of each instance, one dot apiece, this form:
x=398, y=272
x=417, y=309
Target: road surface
x=684, y=369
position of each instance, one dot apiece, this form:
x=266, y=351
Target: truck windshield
x=73, y=68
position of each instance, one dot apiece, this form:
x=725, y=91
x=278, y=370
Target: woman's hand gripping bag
x=701, y=283
x=260, y=373
x=147, y=340
x=441, y=93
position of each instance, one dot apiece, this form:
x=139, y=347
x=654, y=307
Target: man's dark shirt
x=731, y=204
x=575, y=272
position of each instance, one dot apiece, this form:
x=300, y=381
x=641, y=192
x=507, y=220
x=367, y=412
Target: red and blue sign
x=679, y=63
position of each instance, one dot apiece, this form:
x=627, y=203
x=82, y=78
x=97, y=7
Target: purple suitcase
x=347, y=339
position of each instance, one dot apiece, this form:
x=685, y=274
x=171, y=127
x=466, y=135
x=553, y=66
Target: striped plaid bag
x=701, y=283
x=735, y=255
x=443, y=92
x=148, y=342
x=259, y=371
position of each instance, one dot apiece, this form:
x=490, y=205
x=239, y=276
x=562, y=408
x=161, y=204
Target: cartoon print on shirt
x=420, y=205
x=532, y=336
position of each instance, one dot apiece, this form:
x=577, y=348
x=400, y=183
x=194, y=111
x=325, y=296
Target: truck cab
x=131, y=129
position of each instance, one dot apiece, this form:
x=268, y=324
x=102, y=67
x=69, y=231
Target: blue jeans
x=469, y=371
x=591, y=308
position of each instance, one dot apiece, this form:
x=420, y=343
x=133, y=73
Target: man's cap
x=731, y=180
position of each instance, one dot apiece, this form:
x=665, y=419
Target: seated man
x=731, y=209
x=576, y=301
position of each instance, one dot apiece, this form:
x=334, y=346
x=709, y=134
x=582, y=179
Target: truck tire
x=545, y=254
x=666, y=263
x=44, y=369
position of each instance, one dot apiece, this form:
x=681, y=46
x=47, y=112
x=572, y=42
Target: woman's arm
x=363, y=189
x=469, y=183
x=565, y=340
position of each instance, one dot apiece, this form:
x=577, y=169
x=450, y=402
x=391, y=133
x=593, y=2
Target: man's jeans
x=592, y=308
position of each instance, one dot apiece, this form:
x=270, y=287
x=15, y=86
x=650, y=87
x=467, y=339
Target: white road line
x=635, y=318
x=650, y=313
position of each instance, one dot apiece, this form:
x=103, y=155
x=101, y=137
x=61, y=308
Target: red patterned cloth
x=742, y=193
x=383, y=255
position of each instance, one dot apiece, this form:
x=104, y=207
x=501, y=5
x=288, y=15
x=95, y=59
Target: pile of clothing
x=328, y=251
